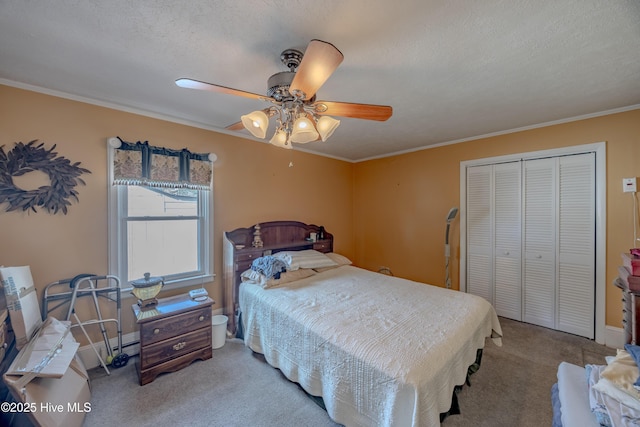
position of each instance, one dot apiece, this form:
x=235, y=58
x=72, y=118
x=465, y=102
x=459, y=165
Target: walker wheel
x=120, y=360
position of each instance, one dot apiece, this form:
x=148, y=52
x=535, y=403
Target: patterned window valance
x=142, y=164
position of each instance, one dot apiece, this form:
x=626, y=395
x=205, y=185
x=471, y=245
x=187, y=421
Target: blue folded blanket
x=634, y=351
x=269, y=266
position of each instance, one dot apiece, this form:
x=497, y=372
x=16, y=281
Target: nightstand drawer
x=249, y=256
x=244, y=260
x=242, y=266
x=322, y=246
x=175, y=347
x=161, y=329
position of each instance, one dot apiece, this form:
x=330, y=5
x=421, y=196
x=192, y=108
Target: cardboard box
x=48, y=379
x=22, y=302
x=55, y=401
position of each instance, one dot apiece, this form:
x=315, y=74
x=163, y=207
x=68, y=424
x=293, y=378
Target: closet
x=530, y=240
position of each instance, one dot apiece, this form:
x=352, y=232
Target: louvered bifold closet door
x=539, y=287
x=507, y=240
x=576, y=245
x=479, y=232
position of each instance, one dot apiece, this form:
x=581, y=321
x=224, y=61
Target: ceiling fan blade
x=319, y=61
x=235, y=126
x=356, y=111
x=195, y=84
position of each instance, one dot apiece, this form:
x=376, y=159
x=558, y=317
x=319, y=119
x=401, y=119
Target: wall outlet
x=629, y=185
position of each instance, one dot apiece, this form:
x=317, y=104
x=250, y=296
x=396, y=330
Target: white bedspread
x=380, y=350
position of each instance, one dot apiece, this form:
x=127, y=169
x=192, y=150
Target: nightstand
x=173, y=334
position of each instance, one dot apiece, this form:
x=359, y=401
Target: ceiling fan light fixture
x=303, y=131
x=326, y=125
x=280, y=139
x=257, y=123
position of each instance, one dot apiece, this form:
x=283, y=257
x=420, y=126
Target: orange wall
x=388, y=212
x=253, y=182
x=401, y=202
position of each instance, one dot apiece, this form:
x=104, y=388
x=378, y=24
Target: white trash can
x=218, y=330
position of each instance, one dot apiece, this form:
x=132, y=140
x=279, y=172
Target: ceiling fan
x=300, y=117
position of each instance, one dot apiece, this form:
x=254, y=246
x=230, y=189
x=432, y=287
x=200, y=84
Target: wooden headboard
x=242, y=245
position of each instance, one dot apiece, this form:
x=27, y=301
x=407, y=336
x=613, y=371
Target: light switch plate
x=629, y=185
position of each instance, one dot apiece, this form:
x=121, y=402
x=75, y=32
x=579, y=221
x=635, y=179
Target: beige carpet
x=237, y=388
x=513, y=385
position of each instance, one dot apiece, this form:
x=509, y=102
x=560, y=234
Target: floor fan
x=447, y=250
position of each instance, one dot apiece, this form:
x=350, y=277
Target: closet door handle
x=506, y=253
x=539, y=256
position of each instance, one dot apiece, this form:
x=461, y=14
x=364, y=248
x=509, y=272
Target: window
x=167, y=232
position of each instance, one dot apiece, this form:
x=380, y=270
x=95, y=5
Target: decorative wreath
x=25, y=158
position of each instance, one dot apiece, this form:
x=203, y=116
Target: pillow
x=251, y=275
x=339, y=259
x=304, y=259
x=285, y=277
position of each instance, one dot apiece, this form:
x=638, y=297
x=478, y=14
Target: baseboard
x=614, y=337
x=88, y=355
x=130, y=344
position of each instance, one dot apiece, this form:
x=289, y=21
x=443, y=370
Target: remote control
x=198, y=294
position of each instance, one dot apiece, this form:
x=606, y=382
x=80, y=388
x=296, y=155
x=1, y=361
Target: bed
x=379, y=350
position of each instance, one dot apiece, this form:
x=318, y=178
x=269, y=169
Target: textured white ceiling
x=451, y=69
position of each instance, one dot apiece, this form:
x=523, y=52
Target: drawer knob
x=201, y=318
x=156, y=331
x=179, y=346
